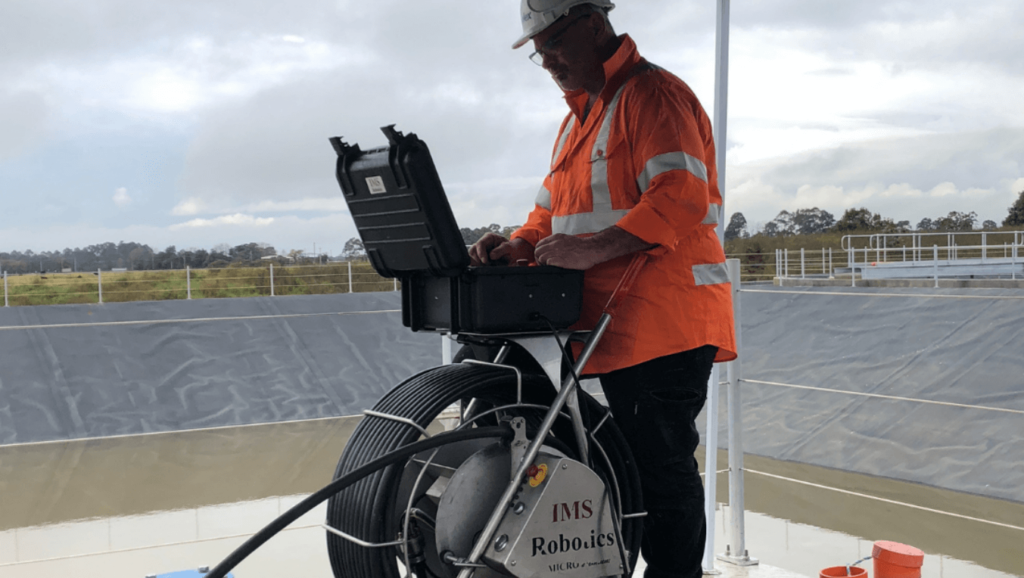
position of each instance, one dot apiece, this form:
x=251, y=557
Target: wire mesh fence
x=123, y=286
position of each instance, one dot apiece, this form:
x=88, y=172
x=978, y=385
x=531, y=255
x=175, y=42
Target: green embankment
x=65, y=288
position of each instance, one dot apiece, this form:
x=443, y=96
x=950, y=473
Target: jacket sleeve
x=672, y=160
x=538, y=224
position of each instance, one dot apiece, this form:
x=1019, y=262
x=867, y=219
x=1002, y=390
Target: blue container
x=186, y=574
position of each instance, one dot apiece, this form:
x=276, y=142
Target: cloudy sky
x=199, y=122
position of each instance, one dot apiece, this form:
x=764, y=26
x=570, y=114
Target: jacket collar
x=616, y=71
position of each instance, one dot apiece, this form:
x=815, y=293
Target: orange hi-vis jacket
x=643, y=160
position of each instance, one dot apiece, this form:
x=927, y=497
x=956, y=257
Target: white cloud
x=121, y=197
x=1017, y=186
x=196, y=73
x=236, y=220
x=195, y=206
x=188, y=207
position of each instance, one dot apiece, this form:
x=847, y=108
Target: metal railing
x=987, y=254
x=121, y=286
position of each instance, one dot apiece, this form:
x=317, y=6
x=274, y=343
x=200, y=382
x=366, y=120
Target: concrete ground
x=725, y=570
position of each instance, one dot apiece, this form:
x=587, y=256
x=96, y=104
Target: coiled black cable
x=338, y=485
x=368, y=508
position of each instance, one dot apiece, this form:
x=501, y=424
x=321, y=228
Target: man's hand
x=581, y=253
x=493, y=247
x=568, y=252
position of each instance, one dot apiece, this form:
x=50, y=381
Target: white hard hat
x=539, y=14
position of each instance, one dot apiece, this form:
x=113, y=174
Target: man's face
x=568, y=48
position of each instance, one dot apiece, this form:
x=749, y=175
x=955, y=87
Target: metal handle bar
x=568, y=387
x=564, y=393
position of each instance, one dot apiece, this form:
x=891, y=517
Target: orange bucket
x=895, y=560
x=840, y=571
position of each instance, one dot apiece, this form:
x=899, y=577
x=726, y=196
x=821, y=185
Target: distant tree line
x=134, y=257
x=354, y=247
x=813, y=221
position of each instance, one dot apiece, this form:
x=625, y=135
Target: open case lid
x=399, y=207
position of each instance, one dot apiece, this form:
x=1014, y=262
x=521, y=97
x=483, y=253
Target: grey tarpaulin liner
x=73, y=382
x=963, y=351
x=104, y=379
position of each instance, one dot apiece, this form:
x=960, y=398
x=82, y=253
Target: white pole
x=853, y=263
x=710, y=471
x=446, y=349
x=188, y=281
x=720, y=135
x=350, y=276
x=935, y=253
x=737, y=553
x=6, y=304
x=831, y=274
x=1013, y=267
x=720, y=128
x=99, y=283
x=396, y=283
x=802, y=263
x=271, y=279
x=984, y=246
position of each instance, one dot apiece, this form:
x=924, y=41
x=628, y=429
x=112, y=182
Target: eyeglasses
x=553, y=42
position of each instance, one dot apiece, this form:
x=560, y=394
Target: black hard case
x=408, y=231
x=399, y=206
x=488, y=300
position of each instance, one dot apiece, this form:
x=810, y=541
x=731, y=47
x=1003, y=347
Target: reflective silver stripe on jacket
x=714, y=274
x=583, y=223
x=544, y=198
x=714, y=215
x=562, y=139
x=602, y=195
x=662, y=164
x=602, y=215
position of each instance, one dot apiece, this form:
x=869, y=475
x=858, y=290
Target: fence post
x=6, y=304
x=935, y=253
x=831, y=271
x=852, y=258
x=1013, y=266
x=271, y=279
x=99, y=283
x=396, y=283
x=737, y=554
x=984, y=246
x=803, y=269
x=188, y=281
x=785, y=262
x=350, y=276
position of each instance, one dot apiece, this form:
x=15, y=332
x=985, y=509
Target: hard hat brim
x=523, y=40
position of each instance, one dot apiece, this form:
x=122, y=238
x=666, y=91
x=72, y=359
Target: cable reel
x=564, y=518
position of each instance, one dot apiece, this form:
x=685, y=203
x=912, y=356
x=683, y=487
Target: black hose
x=298, y=510
x=368, y=508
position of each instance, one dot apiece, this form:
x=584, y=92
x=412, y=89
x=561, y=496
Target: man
x=633, y=170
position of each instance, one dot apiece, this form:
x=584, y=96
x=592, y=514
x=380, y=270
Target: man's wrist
x=615, y=242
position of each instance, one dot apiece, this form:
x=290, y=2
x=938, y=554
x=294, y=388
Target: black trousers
x=655, y=404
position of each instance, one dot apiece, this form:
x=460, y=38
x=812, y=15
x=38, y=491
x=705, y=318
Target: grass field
x=64, y=288
x=756, y=255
